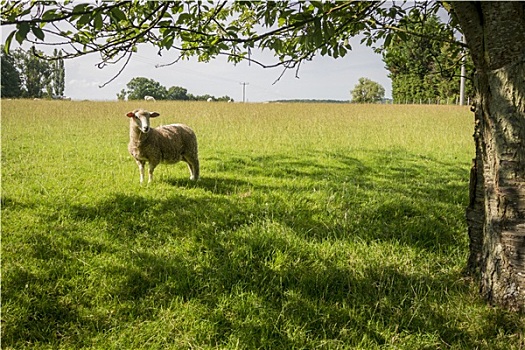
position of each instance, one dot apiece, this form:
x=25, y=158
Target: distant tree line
x=309, y=101
x=26, y=75
x=139, y=87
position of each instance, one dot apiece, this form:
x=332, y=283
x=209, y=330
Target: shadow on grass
x=247, y=252
x=400, y=197
x=214, y=185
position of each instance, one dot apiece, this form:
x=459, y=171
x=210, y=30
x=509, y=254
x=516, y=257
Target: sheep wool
x=164, y=144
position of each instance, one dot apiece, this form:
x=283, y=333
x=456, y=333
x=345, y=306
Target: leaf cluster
x=294, y=31
x=422, y=67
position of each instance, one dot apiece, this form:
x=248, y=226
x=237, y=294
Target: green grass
x=313, y=226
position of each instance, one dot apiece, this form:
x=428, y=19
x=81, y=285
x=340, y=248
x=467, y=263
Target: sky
x=321, y=78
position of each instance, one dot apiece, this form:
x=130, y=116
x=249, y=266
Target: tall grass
x=313, y=226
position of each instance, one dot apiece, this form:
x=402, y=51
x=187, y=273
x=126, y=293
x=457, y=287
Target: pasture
x=313, y=226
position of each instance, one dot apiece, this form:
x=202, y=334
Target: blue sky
x=321, y=78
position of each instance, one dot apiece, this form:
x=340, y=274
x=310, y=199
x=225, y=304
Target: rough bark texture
x=495, y=34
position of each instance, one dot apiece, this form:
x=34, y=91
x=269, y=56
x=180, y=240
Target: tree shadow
x=235, y=248
x=413, y=199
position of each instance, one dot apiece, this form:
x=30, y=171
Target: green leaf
x=80, y=8
x=83, y=20
x=328, y=30
x=388, y=40
x=342, y=51
x=176, y=8
x=21, y=34
x=8, y=41
x=164, y=24
x=49, y=15
x=118, y=14
x=318, y=32
x=402, y=36
x=317, y=4
x=38, y=33
x=98, y=23
x=183, y=17
x=277, y=45
x=335, y=52
x=167, y=42
x=233, y=29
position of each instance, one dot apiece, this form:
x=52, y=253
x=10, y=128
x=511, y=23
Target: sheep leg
x=195, y=172
x=193, y=165
x=152, y=167
x=140, y=164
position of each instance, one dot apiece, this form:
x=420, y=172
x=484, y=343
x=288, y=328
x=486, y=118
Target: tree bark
x=495, y=35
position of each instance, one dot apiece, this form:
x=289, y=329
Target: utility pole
x=462, y=78
x=244, y=91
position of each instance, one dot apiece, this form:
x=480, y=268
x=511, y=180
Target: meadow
x=313, y=226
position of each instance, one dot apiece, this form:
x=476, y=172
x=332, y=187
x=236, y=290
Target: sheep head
x=141, y=118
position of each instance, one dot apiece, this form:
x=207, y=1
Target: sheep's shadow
x=212, y=184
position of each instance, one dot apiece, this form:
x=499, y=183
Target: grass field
x=313, y=226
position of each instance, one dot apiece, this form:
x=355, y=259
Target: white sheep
x=209, y=99
x=164, y=144
x=149, y=98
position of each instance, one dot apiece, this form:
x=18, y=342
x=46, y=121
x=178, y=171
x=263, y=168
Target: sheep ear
x=154, y=115
x=130, y=114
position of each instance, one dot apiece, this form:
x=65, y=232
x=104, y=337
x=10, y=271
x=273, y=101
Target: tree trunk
x=495, y=35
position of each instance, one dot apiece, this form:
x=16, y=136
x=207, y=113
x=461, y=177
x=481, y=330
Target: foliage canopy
x=422, y=68
x=25, y=74
x=295, y=32
x=367, y=91
x=11, y=83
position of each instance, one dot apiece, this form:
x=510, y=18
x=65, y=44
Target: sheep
x=209, y=99
x=149, y=98
x=164, y=144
